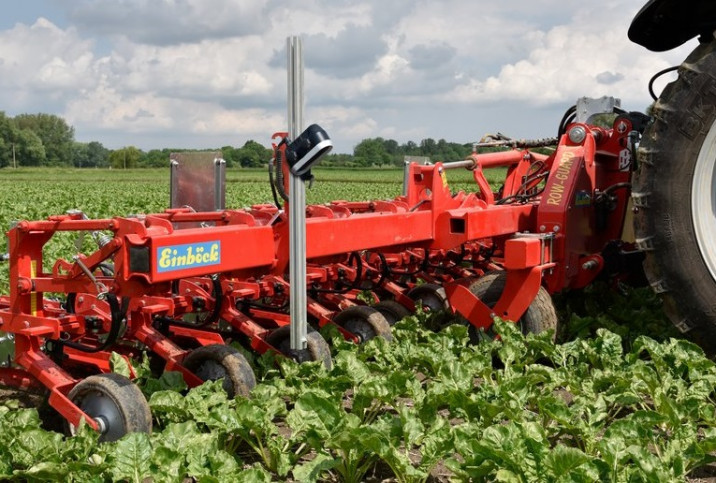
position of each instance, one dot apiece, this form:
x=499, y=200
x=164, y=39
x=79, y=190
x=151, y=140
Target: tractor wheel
x=674, y=194
x=218, y=361
x=392, y=311
x=115, y=402
x=538, y=317
x=317, y=348
x=364, y=322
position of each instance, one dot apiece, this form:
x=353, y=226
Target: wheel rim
x=104, y=410
x=389, y=315
x=392, y=311
x=428, y=297
x=316, y=347
x=360, y=328
x=431, y=301
x=210, y=370
x=703, y=200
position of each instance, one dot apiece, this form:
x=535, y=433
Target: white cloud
x=212, y=67
x=587, y=57
x=41, y=58
x=107, y=109
x=168, y=22
x=141, y=72
x=388, y=69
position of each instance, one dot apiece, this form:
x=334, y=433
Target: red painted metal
x=180, y=287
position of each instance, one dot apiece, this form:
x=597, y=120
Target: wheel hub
x=106, y=413
x=101, y=424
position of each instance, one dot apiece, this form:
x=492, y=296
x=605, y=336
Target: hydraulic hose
x=273, y=186
x=116, y=324
x=279, y=175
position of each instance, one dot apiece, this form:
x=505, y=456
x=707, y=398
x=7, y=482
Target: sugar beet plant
x=520, y=408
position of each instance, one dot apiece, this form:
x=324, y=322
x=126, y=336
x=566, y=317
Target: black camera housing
x=307, y=150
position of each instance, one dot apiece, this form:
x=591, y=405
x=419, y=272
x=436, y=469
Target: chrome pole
x=296, y=200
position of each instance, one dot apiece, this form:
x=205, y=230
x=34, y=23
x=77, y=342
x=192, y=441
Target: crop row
x=426, y=405
x=617, y=399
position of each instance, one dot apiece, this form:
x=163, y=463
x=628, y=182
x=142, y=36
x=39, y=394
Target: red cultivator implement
x=180, y=284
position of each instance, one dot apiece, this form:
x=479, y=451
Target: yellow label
x=556, y=191
x=190, y=255
x=444, y=178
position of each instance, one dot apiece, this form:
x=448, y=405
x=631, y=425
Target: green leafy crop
x=619, y=398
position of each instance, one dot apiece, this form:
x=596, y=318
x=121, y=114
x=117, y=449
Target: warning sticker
x=443, y=177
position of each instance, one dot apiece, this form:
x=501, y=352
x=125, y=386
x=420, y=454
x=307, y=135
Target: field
x=619, y=397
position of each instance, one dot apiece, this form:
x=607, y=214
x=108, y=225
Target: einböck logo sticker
x=190, y=255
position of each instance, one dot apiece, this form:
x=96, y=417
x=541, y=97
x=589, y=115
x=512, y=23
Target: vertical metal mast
x=297, y=200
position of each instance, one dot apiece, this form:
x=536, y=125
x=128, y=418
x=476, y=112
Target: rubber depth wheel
x=115, y=402
x=538, y=317
x=317, y=348
x=434, y=298
x=392, y=311
x=364, y=322
x=674, y=194
x=431, y=296
x=217, y=361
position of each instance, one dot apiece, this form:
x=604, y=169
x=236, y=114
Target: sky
x=209, y=73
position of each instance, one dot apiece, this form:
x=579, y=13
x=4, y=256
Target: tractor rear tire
x=674, y=194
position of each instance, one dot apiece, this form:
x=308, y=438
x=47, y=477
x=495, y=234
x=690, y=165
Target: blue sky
x=210, y=73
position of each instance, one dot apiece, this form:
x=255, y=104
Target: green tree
x=370, y=152
x=410, y=149
x=97, y=155
x=252, y=155
x=7, y=138
x=29, y=149
x=19, y=147
x=125, y=158
x=231, y=156
x=56, y=135
x=5, y=158
x=90, y=155
x=155, y=158
x=80, y=155
x=428, y=147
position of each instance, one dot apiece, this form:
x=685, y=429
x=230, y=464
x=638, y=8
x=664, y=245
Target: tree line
x=47, y=140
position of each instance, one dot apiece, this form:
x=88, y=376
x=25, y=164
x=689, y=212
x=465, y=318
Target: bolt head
x=577, y=134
